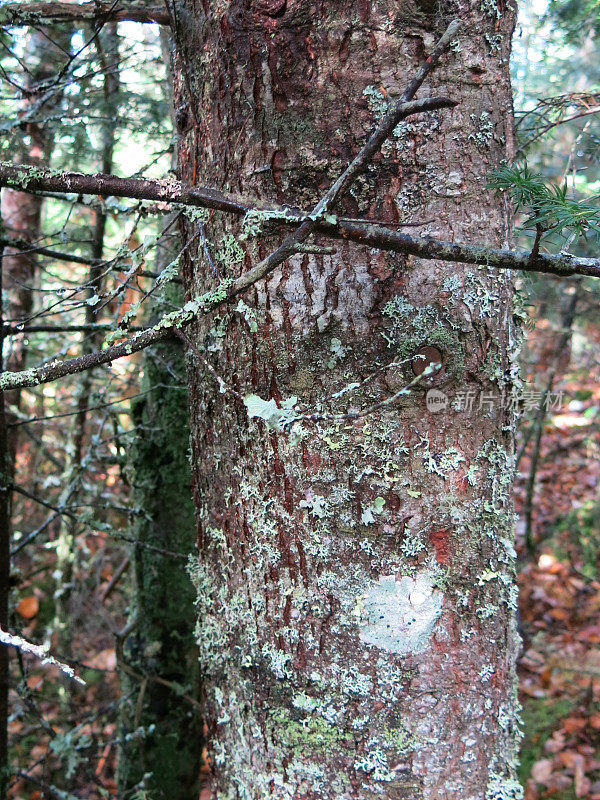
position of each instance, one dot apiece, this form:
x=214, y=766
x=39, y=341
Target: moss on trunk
x=160, y=729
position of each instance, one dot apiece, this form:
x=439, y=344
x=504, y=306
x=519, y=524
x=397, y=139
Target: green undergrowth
x=541, y=717
x=576, y=539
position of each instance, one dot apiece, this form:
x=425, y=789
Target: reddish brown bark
x=21, y=211
x=21, y=216
x=355, y=582
x=372, y=235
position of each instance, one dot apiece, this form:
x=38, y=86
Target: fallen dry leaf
x=28, y=607
x=542, y=770
x=531, y=791
x=582, y=783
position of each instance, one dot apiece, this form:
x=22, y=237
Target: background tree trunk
x=160, y=724
x=45, y=53
x=107, y=45
x=355, y=582
x=167, y=762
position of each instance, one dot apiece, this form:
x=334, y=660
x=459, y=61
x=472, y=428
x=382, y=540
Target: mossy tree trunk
x=160, y=722
x=356, y=574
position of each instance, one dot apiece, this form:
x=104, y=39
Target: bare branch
x=39, y=651
x=59, y=369
x=27, y=13
x=435, y=249
x=90, y=327
x=27, y=179
x=33, y=180
x=365, y=233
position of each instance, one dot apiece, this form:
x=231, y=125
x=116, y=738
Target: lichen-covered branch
x=39, y=651
x=373, y=235
x=26, y=13
x=362, y=231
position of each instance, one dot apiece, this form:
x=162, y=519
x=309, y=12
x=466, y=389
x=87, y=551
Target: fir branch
x=547, y=205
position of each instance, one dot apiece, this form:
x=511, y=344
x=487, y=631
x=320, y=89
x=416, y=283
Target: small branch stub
x=426, y=356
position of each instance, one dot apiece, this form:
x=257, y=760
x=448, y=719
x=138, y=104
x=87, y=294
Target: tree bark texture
x=355, y=578
x=98, y=11
x=45, y=53
x=5, y=541
x=21, y=212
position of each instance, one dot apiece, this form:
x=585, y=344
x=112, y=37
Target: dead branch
x=26, y=13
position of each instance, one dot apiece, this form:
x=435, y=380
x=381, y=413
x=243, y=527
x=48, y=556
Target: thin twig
x=364, y=231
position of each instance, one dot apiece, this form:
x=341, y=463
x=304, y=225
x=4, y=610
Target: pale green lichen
x=311, y=732
x=256, y=221
x=412, y=544
x=373, y=510
x=439, y=463
x=400, y=615
x=374, y=762
x=276, y=417
x=401, y=740
x=479, y=298
x=338, y=353
x=376, y=100
x=249, y=315
x=487, y=611
x=194, y=214
x=503, y=787
x=500, y=474
x=26, y=377
x=484, y=132
x=494, y=41
x=230, y=252
x=472, y=475
x=196, y=306
x=490, y=8
x=278, y=661
x=316, y=504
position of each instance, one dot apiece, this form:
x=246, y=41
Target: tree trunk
x=168, y=761
x=161, y=730
x=45, y=53
x=160, y=721
x=355, y=584
x=5, y=541
x=21, y=218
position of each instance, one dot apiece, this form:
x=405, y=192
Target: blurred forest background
x=101, y=516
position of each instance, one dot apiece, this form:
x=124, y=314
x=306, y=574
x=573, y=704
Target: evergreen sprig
x=548, y=207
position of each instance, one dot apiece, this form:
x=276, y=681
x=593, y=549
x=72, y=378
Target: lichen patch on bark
x=401, y=613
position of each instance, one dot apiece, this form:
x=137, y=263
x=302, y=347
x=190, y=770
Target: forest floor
x=559, y=668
